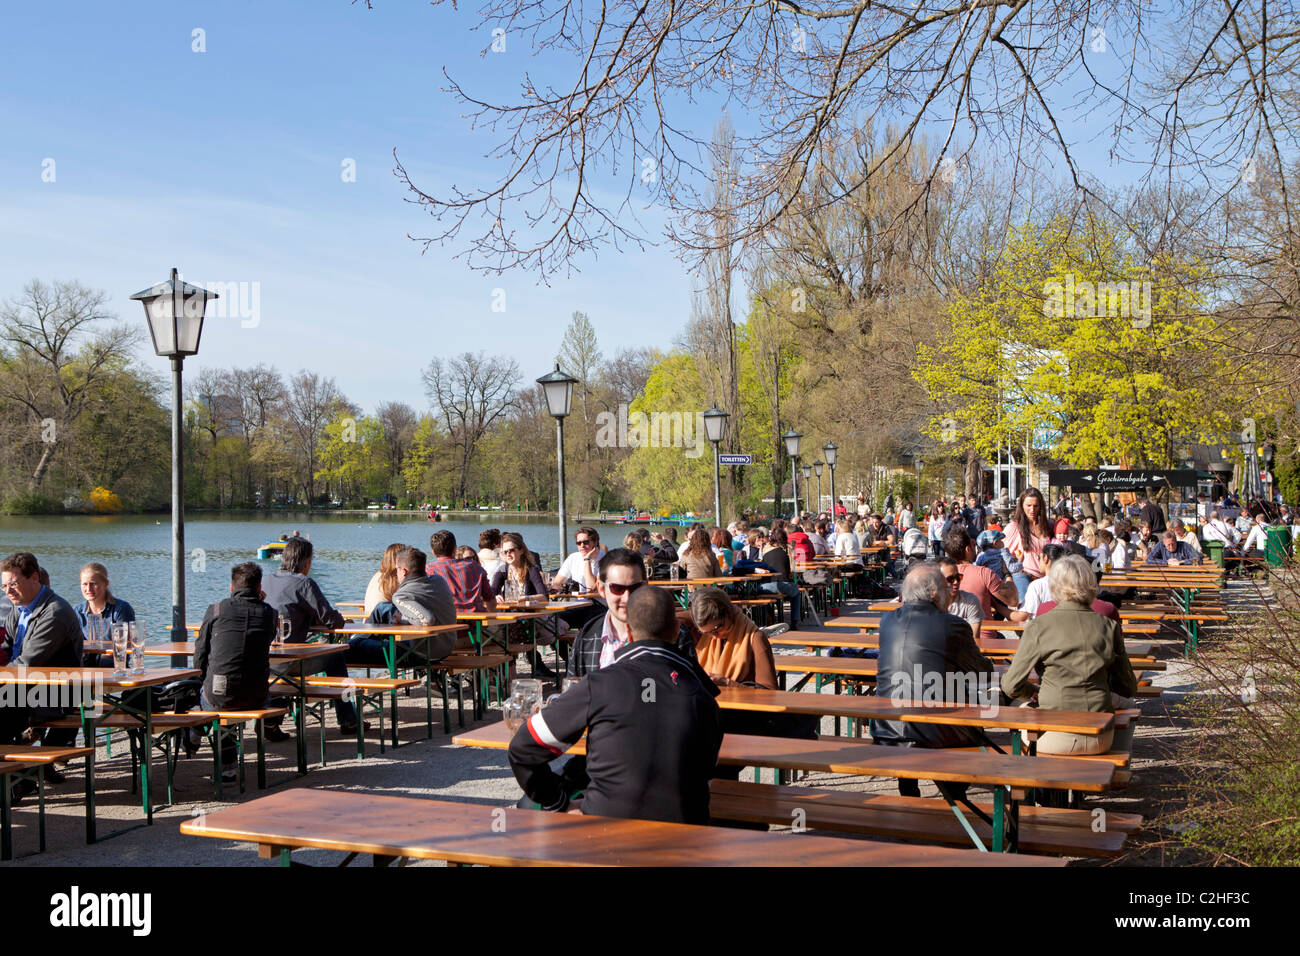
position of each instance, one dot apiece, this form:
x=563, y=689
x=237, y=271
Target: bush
x=1242, y=771
x=104, y=501
x=32, y=504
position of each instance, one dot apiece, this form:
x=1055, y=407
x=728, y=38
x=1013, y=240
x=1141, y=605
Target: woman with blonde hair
x=1081, y=652
x=99, y=600
x=384, y=581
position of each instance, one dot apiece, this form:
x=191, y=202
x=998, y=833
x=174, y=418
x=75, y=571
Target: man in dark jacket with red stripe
x=653, y=728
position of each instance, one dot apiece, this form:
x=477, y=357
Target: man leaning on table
x=1169, y=550
x=653, y=728
x=41, y=630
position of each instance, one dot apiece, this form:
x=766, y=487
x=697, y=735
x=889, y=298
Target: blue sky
x=226, y=164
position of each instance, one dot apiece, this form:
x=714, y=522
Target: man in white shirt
x=1216, y=529
x=1257, y=541
x=583, y=566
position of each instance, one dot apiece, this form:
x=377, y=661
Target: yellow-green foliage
x=1021, y=358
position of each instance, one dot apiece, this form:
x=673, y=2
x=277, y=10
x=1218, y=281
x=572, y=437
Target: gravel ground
x=435, y=768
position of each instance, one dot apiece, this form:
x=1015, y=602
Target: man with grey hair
x=927, y=654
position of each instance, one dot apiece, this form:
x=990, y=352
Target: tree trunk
x=973, y=478
x=42, y=466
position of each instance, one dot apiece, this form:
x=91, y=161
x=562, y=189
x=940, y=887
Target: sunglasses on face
x=618, y=590
x=583, y=542
x=509, y=550
x=953, y=579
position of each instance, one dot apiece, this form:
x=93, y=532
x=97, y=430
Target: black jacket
x=233, y=651
x=653, y=735
x=920, y=642
x=1152, y=515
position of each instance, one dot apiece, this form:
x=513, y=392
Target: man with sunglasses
x=621, y=573
x=964, y=605
x=583, y=566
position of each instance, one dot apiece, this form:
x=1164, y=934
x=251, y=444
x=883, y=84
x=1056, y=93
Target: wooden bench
x=1043, y=830
x=166, y=730
x=20, y=762
x=394, y=828
x=237, y=719
x=319, y=691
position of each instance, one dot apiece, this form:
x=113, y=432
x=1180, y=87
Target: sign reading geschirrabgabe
x=1103, y=479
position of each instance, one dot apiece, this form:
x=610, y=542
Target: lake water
x=137, y=552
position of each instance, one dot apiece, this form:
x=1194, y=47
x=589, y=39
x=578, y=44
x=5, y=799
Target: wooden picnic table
x=850, y=756
x=93, y=713
x=987, y=645
x=298, y=653
x=468, y=833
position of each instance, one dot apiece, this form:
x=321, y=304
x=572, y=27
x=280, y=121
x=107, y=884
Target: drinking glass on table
x=121, y=643
x=284, y=627
x=525, y=700
x=135, y=646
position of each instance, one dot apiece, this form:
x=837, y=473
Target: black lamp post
x=830, y=451
x=715, y=422
x=792, y=439
x=558, y=388
x=806, y=471
x=174, y=310
x=817, y=470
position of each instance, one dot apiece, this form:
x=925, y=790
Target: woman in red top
x=1027, y=533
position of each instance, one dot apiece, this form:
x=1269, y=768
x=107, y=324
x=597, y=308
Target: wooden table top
x=859, y=622
x=812, y=664
x=41, y=754
x=67, y=676
x=551, y=606
x=1157, y=583
x=403, y=631
x=1130, y=627
x=987, y=645
x=495, y=836
x=850, y=756
x=277, y=651
x=921, y=712
x=705, y=582
x=503, y=617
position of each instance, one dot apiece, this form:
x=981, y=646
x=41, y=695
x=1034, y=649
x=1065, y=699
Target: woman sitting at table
x=721, y=542
x=776, y=557
x=730, y=648
x=383, y=582
x=520, y=568
x=846, y=543
x=99, y=600
x=1081, y=652
x=698, y=559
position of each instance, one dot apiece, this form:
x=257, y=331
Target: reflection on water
x=137, y=551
